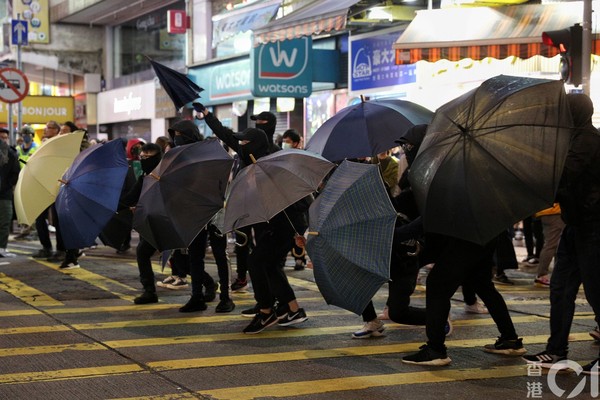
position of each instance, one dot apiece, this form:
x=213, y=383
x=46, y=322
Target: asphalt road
x=76, y=334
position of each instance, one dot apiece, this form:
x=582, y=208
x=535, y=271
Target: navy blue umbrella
x=177, y=85
x=350, y=236
x=366, y=129
x=90, y=191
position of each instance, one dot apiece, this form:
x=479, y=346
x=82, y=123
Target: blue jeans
x=577, y=261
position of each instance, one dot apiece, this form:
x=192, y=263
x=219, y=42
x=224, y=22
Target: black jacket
x=9, y=174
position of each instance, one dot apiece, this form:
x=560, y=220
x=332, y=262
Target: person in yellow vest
x=28, y=146
x=552, y=225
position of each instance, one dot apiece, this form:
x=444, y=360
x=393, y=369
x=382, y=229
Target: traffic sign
x=14, y=85
x=19, y=32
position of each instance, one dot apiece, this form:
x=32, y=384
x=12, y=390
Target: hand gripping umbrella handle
x=242, y=234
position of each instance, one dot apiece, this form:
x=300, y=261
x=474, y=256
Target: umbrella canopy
x=38, y=183
x=264, y=189
x=366, y=129
x=182, y=194
x=350, y=236
x=118, y=229
x=492, y=157
x=177, y=85
x=90, y=192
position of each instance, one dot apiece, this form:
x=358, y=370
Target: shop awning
x=480, y=32
x=313, y=18
x=228, y=24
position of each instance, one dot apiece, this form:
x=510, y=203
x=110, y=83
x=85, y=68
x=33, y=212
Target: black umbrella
x=177, y=85
x=366, y=129
x=182, y=194
x=492, y=157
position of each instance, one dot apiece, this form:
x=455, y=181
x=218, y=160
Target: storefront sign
x=127, y=104
x=41, y=109
x=223, y=83
x=373, y=65
x=283, y=69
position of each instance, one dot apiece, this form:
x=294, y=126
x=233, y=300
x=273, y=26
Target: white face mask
x=286, y=145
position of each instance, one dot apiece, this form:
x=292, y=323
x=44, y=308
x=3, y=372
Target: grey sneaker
x=373, y=328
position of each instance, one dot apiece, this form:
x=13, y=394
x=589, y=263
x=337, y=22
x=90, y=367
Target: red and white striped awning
x=312, y=19
x=479, y=32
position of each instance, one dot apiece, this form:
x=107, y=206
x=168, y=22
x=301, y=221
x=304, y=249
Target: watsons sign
x=41, y=109
x=226, y=82
x=130, y=103
x=283, y=69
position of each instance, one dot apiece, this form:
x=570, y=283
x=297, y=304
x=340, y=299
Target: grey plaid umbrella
x=350, y=236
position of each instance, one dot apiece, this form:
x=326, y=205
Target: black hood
x=413, y=136
x=258, y=145
x=582, y=109
x=188, y=130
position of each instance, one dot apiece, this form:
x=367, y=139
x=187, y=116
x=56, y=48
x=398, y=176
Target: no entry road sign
x=14, y=85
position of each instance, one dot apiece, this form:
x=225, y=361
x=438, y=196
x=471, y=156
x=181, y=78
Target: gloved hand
x=199, y=107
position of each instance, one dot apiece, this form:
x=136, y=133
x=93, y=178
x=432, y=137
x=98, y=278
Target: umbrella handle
x=302, y=253
x=418, y=249
x=242, y=234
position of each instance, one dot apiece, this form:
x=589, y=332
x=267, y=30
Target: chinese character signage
x=373, y=64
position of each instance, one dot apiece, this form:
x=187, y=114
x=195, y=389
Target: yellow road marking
x=74, y=373
x=26, y=293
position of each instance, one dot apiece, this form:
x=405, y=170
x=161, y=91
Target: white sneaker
x=476, y=308
x=371, y=328
x=6, y=253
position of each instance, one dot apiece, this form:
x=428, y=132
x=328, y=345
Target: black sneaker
x=239, y=285
x=42, y=253
x=210, y=291
x=507, y=347
x=146, y=298
x=592, y=368
x=225, y=306
x=546, y=360
x=57, y=256
x=251, y=312
x=69, y=265
x=194, y=304
x=427, y=356
x=502, y=280
x=293, y=318
x=260, y=322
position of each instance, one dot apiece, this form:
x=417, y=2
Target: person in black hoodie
x=578, y=255
x=182, y=133
x=150, y=157
x=267, y=121
x=272, y=238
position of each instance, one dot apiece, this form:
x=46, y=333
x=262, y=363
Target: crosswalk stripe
x=26, y=293
x=169, y=365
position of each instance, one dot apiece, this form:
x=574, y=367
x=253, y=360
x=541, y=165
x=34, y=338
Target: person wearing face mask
x=291, y=139
x=150, y=157
x=183, y=133
x=28, y=147
x=266, y=121
x=272, y=238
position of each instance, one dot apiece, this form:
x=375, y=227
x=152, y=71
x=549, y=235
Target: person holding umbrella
x=456, y=262
x=578, y=253
x=272, y=238
x=150, y=156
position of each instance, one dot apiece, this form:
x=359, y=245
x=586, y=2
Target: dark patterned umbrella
x=350, y=236
x=177, y=85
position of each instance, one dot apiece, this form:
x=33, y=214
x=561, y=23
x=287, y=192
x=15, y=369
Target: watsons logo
x=284, y=89
x=127, y=104
x=232, y=80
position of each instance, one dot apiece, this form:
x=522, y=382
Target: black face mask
x=148, y=164
x=179, y=140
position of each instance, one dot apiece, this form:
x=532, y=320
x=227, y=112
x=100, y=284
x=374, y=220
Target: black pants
x=268, y=280
x=144, y=253
x=403, y=280
x=218, y=244
x=41, y=226
x=460, y=261
x=242, y=252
